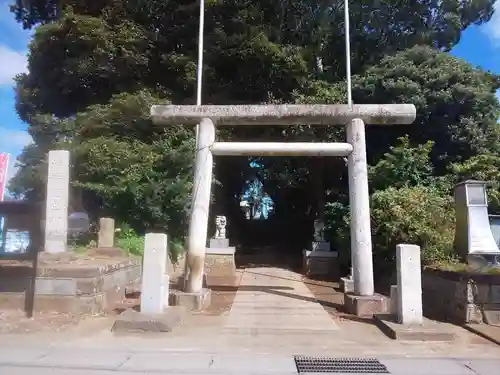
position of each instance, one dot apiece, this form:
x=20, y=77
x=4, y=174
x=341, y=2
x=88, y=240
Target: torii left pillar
x=198, y=224
x=194, y=296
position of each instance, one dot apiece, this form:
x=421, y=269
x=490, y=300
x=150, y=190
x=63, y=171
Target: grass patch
x=127, y=240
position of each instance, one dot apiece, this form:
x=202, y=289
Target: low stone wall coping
x=480, y=278
x=78, y=268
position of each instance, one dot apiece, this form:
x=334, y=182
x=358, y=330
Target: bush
x=416, y=215
x=128, y=240
x=404, y=165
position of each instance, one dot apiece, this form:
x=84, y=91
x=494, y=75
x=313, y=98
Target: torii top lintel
x=284, y=114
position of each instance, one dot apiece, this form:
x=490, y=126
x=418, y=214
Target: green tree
x=96, y=67
x=402, y=166
x=457, y=107
x=128, y=168
x=418, y=215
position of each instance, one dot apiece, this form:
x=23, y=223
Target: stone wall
x=461, y=297
x=70, y=285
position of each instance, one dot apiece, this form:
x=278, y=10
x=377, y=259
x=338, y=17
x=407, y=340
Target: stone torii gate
x=354, y=117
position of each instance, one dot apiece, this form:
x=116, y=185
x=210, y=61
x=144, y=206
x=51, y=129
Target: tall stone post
x=409, y=290
x=154, y=288
x=198, y=225
x=359, y=202
x=56, y=213
x=106, y=237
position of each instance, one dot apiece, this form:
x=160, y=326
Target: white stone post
x=106, y=237
x=56, y=213
x=198, y=225
x=409, y=291
x=359, y=202
x=154, y=287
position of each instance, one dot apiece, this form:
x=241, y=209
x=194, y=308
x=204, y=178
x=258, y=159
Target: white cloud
x=12, y=63
x=492, y=28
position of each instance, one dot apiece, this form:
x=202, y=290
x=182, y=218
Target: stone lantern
x=473, y=237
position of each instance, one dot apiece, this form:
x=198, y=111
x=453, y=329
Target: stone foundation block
x=219, y=243
x=131, y=321
x=366, y=306
x=220, y=261
x=320, y=263
x=68, y=283
x=427, y=331
x=191, y=301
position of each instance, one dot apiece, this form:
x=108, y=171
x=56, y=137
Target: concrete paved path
x=274, y=299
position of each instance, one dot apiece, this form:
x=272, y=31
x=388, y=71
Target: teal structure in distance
x=255, y=202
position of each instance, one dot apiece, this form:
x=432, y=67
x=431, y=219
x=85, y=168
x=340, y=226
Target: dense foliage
x=95, y=67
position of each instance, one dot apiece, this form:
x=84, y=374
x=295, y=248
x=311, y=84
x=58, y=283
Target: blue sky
x=479, y=45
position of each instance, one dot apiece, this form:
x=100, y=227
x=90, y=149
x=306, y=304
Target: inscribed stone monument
x=56, y=219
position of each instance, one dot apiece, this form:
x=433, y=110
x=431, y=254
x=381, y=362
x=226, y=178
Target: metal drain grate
x=342, y=365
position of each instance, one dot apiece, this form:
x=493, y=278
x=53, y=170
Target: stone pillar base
x=427, y=331
x=347, y=284
x=366, y=306
x=191, y=301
